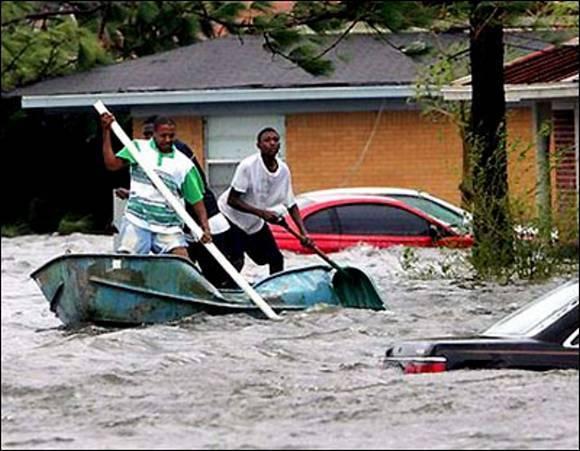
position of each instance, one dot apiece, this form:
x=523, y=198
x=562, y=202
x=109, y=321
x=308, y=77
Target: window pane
x=373, y=219
x=234, y=137
x=321, y=222
x=433, y=209
x=230, y=139
x=538, y=315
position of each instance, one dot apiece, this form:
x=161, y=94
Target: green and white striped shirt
x=146, y=207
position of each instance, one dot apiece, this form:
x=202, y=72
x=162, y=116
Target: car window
x=432, y=209
x=538, y=315
x=323, y=221
x=375, y=219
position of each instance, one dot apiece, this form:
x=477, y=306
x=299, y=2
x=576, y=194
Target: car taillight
x=424, y=367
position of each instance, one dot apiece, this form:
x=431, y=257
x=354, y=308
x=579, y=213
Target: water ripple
x=314, y=380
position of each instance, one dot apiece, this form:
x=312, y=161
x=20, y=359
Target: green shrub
x=16, y=229
x=74, y=223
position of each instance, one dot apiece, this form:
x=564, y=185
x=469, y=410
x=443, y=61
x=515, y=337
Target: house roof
x=553, y=64
x=231, y=69
x=551, y=73
x=232, y=63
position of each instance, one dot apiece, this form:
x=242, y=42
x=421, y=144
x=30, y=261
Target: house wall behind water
x=522, y=161
x=327, y=150
x=407, y=150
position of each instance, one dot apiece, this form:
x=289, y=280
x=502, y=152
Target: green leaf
x=147, y=12
x=415, y=48
x=304, y=56
x=87, y=54
x=229, y=10
x=264, y=7
x=317, y=67
x=285, y=38
x=188, y=30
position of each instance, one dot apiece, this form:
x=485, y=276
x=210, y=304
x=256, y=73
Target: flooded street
x=314, y=380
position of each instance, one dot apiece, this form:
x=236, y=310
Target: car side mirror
x=434, y=232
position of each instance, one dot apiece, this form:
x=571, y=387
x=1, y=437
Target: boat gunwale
x=172, y=257
x=187, y=299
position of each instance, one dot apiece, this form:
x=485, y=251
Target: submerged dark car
x=542, y=335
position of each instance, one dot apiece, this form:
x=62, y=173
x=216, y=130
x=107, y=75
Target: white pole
x=180, y=210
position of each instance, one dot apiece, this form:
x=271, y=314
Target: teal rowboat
x=120, y=289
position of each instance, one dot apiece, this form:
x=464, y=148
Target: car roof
x=364, y=190
x=381, y=191
x=357, y=198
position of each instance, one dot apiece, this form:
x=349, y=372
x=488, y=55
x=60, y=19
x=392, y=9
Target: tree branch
x=53, y=51
x=12, y=63
x=47, y=14
x=340, y=38
x=276, y=51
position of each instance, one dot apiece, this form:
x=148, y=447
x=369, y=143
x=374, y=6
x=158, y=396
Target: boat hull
x=120, y=289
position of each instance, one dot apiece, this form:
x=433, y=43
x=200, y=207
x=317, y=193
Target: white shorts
x=135, y=240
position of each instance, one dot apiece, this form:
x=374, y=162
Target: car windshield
x=433, y=209
x=539, y=314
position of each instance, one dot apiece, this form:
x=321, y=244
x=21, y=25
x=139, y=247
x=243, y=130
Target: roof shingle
x=230, y=63
x=550, y=65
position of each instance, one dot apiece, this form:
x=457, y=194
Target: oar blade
x=356, y=290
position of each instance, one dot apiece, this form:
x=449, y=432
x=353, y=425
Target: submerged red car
x=342, y=222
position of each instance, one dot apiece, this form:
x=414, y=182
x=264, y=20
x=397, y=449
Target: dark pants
x=260, y=247
x=209, y=266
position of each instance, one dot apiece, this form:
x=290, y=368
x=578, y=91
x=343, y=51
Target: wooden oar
x=185, y=217
x=352, y=286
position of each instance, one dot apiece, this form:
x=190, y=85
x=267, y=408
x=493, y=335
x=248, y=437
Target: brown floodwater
x=314, y=380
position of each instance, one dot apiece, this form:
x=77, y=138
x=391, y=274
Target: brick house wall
x=522, y=162
x=408, y=150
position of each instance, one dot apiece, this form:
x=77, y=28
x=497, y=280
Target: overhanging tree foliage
x=45, y=39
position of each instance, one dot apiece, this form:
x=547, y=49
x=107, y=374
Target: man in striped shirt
x=150, y=224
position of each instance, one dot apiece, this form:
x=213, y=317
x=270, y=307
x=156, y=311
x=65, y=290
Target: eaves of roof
x=520, y=92
x=220, y=96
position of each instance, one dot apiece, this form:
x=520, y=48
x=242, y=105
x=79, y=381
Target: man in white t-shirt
x=150, y=224
x=260, y=192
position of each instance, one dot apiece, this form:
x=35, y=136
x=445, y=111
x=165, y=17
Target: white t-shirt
x=260, y=188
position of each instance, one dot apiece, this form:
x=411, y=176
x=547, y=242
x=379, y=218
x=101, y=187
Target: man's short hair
x=148, y=126
x=266, y=130
x=150, y=119
x=162, y=120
